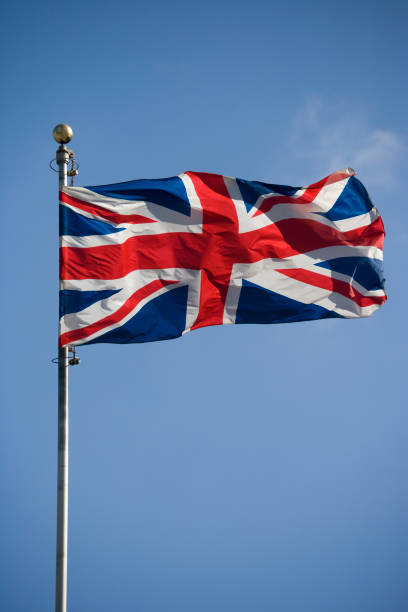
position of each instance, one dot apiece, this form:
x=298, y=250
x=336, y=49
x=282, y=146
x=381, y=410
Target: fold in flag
x=151, y=260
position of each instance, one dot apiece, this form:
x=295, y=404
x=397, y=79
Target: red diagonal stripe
x=308, y=196
x=103, y=213
x=128, y=306
x=334, y=285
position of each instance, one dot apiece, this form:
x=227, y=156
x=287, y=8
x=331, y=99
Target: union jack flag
x=151, y=260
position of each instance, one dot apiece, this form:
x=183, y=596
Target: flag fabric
x=150, y=260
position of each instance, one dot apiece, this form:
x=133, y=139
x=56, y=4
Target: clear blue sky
x=239, y=468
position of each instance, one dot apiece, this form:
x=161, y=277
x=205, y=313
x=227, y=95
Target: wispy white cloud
x=328, y=137
x=382, y=147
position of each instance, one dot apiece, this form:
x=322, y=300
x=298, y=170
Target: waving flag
x=150, y=260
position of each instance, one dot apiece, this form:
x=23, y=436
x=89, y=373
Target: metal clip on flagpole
x=63, y=134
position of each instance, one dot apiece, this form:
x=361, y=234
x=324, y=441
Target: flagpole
x=62, y=134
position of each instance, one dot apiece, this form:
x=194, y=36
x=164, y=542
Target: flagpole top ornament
x=62, y=133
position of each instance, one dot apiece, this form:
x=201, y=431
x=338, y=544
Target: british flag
x=150, y=260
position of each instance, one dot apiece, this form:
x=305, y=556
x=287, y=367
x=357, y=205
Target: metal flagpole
x=62, y=134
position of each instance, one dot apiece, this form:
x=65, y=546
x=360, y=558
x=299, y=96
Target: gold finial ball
x=62, y=133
